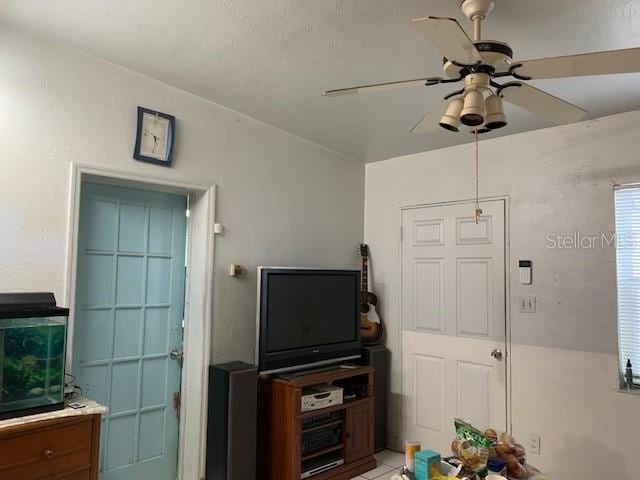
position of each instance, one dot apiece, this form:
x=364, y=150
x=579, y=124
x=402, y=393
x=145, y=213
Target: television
x=306, y=317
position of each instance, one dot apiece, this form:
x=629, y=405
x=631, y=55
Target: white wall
x=283, y=200
x=564, y=357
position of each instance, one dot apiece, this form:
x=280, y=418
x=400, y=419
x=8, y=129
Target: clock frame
x=155, y=137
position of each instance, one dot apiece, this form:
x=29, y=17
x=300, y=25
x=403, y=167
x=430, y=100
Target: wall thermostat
x=525, y=272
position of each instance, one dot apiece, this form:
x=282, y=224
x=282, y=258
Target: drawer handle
x=48, y=454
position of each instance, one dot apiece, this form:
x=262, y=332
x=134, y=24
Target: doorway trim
x=507, y=295
x=198, y=296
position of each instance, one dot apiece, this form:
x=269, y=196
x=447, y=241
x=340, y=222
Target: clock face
x=155, y=132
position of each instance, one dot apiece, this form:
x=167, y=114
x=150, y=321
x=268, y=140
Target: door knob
x=497, y=354
x=176, y=354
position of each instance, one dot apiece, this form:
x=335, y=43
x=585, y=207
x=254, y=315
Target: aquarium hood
x=30, y=304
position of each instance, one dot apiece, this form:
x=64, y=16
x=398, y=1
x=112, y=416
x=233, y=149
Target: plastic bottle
x=628, y=375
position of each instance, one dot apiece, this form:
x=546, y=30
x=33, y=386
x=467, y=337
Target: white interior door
x=453, y=316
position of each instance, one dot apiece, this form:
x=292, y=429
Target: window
x=627, y=207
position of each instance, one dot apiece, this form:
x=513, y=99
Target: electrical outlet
x=527, y=304
x=534, y=444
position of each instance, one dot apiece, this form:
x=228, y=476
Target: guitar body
x=371, y=330
x=370, y=324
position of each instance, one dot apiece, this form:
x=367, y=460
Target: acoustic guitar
x=371, y=329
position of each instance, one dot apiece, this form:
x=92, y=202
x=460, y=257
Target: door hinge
x=401, y=234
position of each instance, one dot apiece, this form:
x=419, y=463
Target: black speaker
x=232, y=422
x=378, y=358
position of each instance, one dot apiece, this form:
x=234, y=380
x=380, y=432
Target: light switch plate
x=527, y=304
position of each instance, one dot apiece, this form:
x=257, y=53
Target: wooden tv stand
x=280, y=420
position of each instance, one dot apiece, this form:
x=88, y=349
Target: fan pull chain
x=478, y=209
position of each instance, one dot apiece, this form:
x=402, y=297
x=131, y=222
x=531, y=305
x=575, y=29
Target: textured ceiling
x=271, y=59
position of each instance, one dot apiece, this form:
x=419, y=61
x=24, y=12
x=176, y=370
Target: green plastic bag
x=471, y=446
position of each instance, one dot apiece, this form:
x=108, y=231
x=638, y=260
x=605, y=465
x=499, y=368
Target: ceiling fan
x=478, y=63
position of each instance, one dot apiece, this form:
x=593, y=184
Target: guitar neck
x=365, y=274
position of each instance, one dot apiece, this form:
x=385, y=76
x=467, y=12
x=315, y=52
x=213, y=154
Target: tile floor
x=389, y=464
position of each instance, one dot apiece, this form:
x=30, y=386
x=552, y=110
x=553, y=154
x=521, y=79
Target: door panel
x=129, y=310
x=453, y=316
x=473, y=297
x=429, y=306
x=429, y=381
x=360, y=434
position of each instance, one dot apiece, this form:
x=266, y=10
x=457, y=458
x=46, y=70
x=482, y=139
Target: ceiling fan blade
x=432, y=119
x=542, y=103
x=418, y=82
x=449, y=38
x=597, y=63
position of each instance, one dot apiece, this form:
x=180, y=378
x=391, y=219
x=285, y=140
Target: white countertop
x=90, y=408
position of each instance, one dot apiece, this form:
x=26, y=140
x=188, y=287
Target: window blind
x=627, y=213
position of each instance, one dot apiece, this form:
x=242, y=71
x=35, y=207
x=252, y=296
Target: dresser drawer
x=81, y=475
x=46, y=450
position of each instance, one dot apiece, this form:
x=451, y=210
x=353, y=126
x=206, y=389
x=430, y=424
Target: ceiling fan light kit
x=494, y=113
x=480, y=63
x=472, y=114
x=451, y=119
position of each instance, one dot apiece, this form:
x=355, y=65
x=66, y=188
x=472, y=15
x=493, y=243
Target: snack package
x=505, y=447
x=471, y=446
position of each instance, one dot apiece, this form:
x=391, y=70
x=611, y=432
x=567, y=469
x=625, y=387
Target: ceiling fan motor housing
x=496, y=55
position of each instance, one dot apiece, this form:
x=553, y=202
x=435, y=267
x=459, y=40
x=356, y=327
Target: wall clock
x=154, y=139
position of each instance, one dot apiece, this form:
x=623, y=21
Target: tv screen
x=306, y=316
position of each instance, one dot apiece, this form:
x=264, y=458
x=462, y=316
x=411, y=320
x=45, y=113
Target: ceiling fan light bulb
x=444, y=123
x=495, y=117
x=451, y=119
x=472, y=119
x=472, y=114
x=496, y=123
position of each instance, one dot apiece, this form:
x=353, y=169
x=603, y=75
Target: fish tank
x=33, y=341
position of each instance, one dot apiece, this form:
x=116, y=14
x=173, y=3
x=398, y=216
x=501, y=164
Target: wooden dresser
x=61, y=445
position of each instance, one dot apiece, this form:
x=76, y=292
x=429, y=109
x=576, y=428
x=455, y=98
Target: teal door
x=128, y=318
